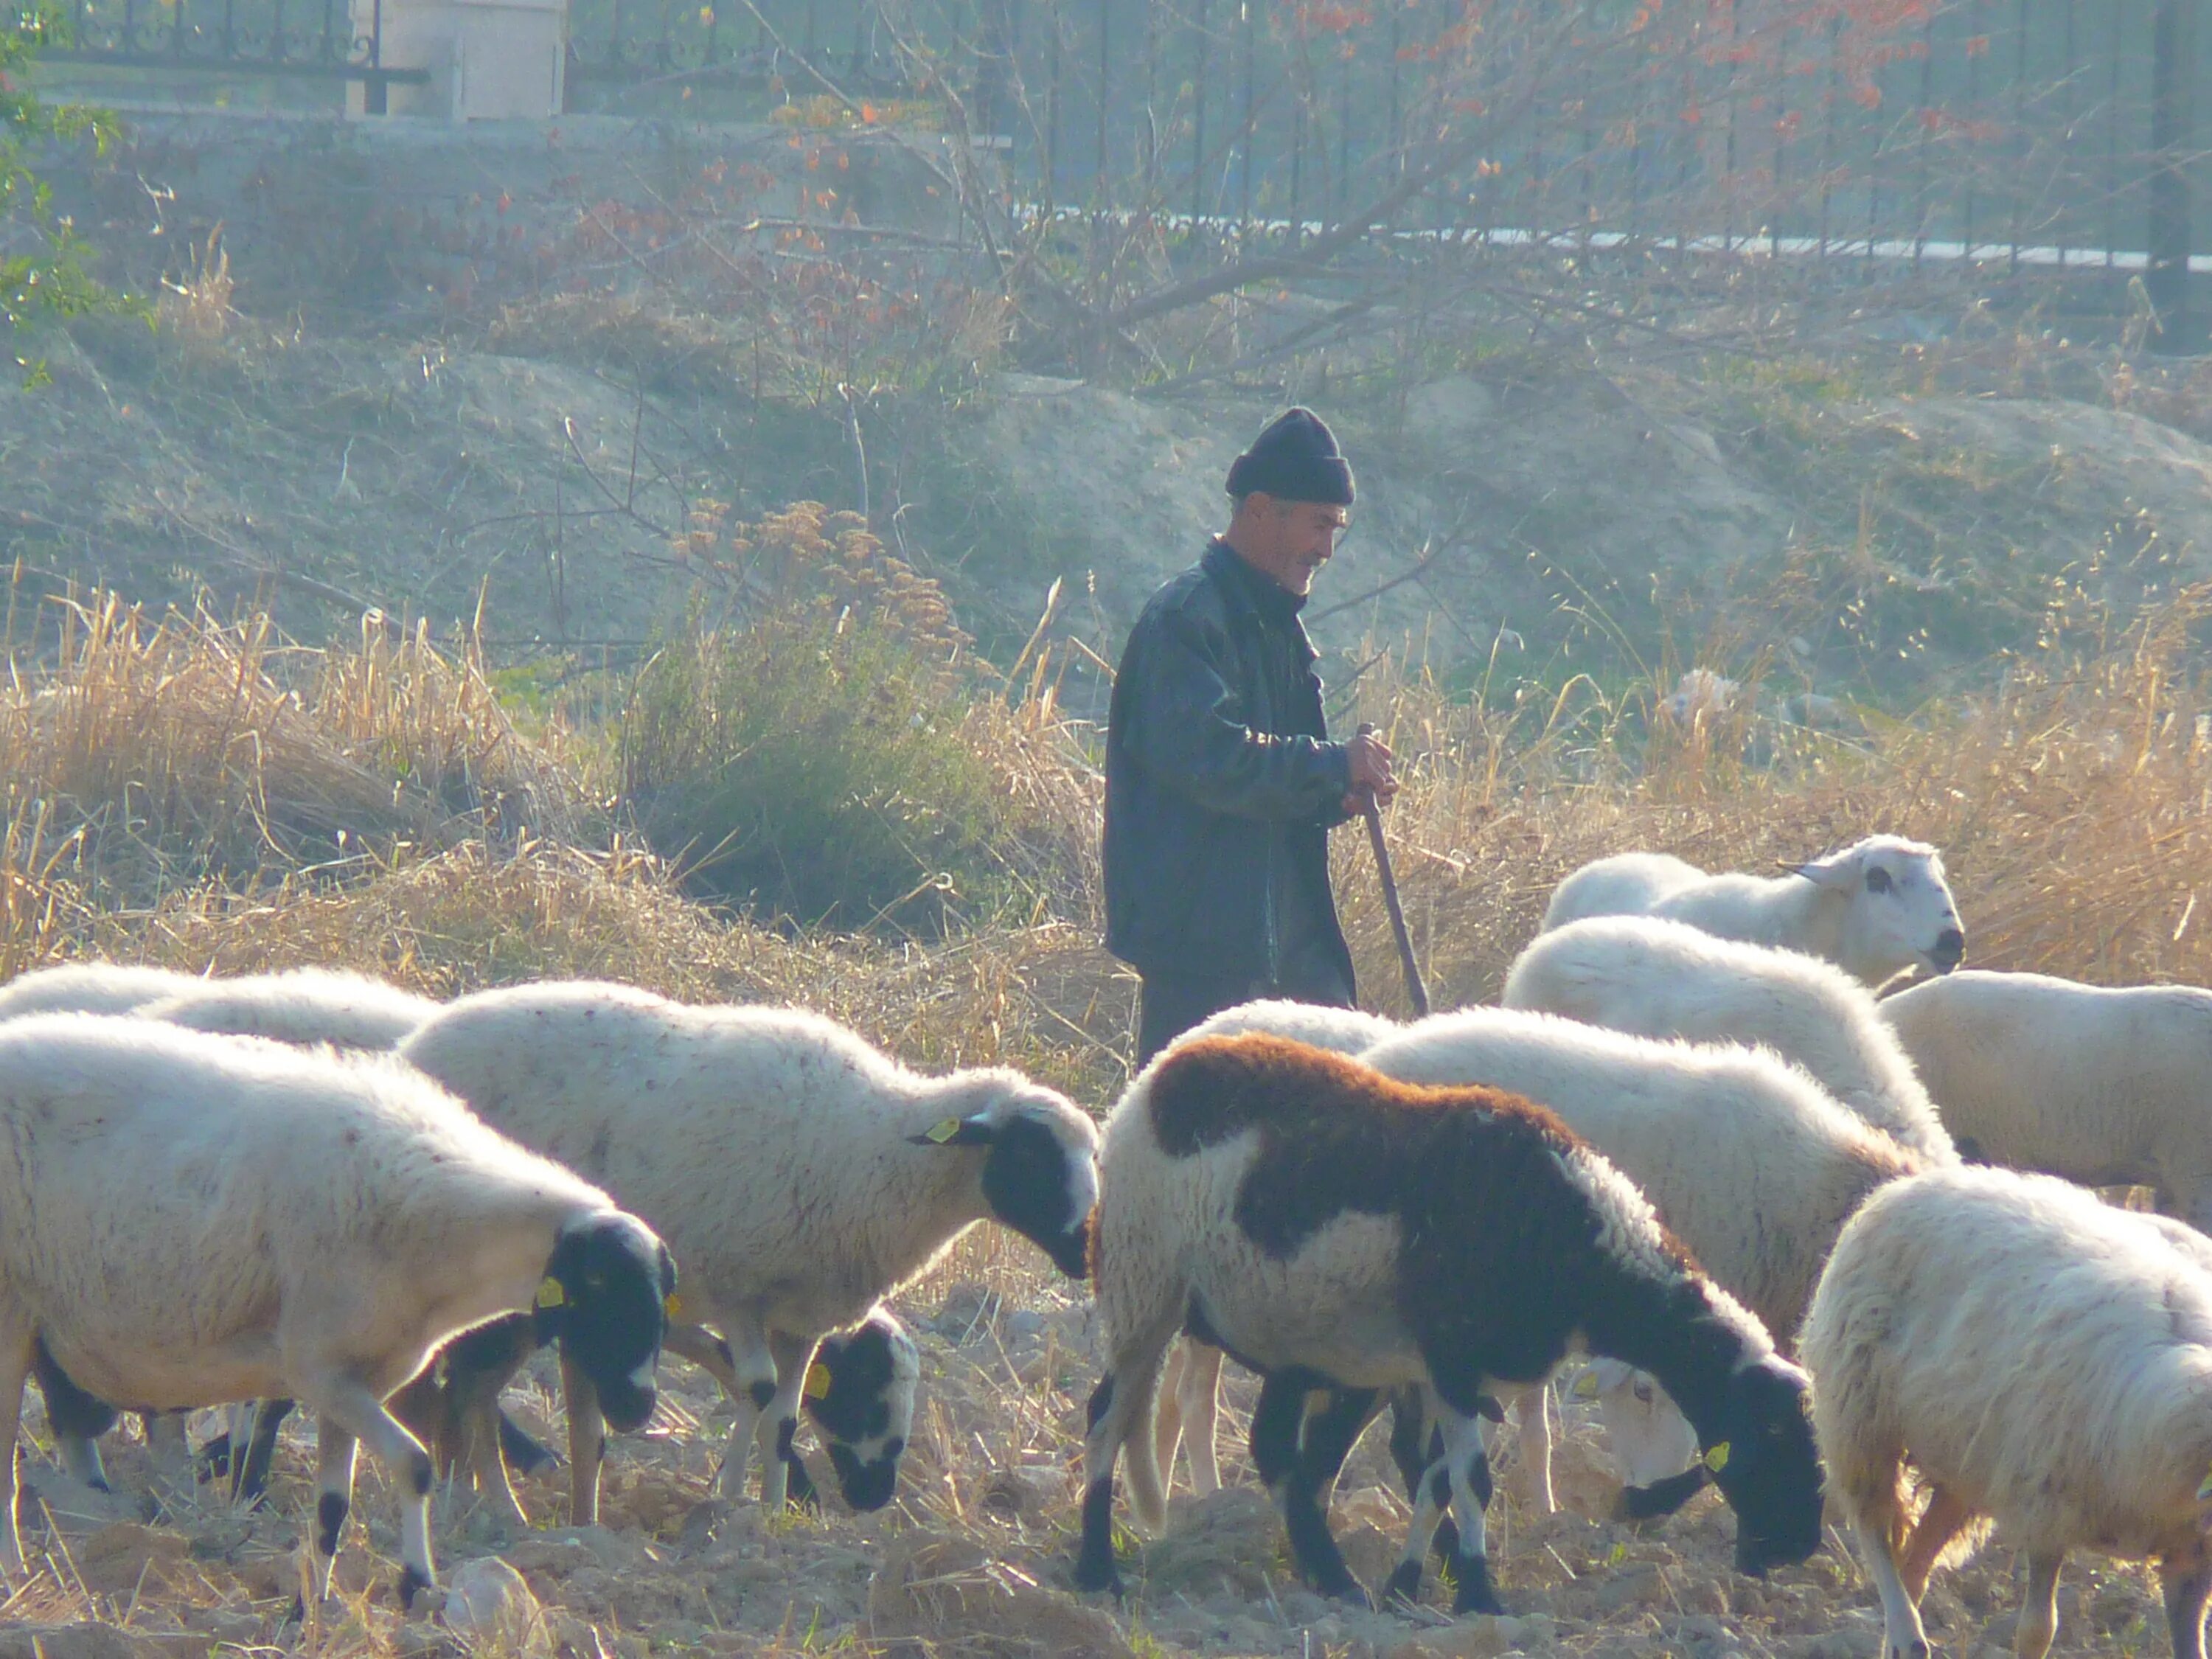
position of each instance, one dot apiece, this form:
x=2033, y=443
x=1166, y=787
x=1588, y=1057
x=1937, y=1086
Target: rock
x=1022, y=1325
x=935, y=1593
x=490, y=1604
x=966, y=1313
x=1028, y=1494
x=113, y=1559
x=1227, y=1539
x=86, y=1640
x=1478, y=1636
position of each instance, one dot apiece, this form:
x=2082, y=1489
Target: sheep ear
x=817, y=1383
x=1715, y=1458
x=973, y=1131
x=1833, y=871
x=549, y=1309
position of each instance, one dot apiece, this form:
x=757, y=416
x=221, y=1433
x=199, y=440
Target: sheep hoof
x=1404, y=1584
x=418, y=1594
x=1475, y=1593
x=1094, y=1579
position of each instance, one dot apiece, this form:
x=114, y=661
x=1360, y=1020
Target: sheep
x=1661, y=978
x=300, y=1225
x=1749, y=1162
x=2044, y=1359
x=90, y=987
x=859, y=1393
x=1877, y=908
x=2103, y=1086
x=799, y=1174
x=1333, y=1228
x=1190, y=1388
x=299, y=1005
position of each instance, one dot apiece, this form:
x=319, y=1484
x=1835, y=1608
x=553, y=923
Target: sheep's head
x=605, y=1295
x=1039, y=1173
x=1899, y=911
x=863, y=1405
x=1763, y=1459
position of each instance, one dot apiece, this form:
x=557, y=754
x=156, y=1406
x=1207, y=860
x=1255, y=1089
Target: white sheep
x=1333, y=1228
x=1661, y=978
x=2045, y=1361
x=799, y=1174
x=297, y=1005
x=297, y=1224
x=90, y=987
x=1749, y=1162
x=2107, y=1086
x=1876, y=908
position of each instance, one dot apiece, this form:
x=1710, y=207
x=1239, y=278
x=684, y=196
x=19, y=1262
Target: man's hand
x=1371, y=777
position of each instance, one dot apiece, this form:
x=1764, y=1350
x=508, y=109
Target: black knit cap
x=1294, y=459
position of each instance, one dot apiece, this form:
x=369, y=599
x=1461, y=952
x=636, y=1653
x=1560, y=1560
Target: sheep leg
x=779, y=1422
x=77, y=1418
x=587, y=1441
x=754, y=1371
x=2039, y=1608
x=1938, y=1525
x=349, y=1403
x=15, y=1371
x=1167, y=1417
x=1904, y=1636
x=1415, y=1445
x=250, y=1468
x=1121, y=1404
x=1467, y=1462
x=2187, y=1582
x=1198, y=1401
x=334, y=1454
x=1277, y=1421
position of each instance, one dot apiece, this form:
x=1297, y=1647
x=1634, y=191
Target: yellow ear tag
x=550, y=1293
x=673, y=1307
x=816, y=1386
x=943, y=1130
x=1586, y=1386
x=1716, y=1459
x=2204, y=1489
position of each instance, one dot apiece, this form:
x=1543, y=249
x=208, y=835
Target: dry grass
x=177, y=789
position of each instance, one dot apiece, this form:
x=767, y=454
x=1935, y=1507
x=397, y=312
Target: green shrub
x=820, y=751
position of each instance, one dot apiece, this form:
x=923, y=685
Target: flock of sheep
x=1786, y=1225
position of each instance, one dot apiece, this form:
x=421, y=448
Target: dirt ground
x=973, y=1557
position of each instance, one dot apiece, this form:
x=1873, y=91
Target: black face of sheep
x=1767, y=1468
x=605, y=1295
x=865, y=1406
x=1035, y=1181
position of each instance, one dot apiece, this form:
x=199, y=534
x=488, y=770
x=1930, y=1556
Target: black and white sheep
x=1661, y=978
x=799, y=1174
x=2104, y=1086
x=1876, y=908
x=2045, y=1361
x=1749, y=1162
x=1331, y=1227
x=298, y=1224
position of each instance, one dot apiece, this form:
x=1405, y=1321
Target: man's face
x=1291, y=540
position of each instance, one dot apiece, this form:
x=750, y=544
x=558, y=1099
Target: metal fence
x=2041, y=133
x=329, y=39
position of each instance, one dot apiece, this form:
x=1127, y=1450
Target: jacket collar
x=1273, y=604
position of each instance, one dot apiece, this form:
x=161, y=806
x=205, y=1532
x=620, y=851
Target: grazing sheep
x=2107, y=1086
x=1661, y=978
x=1190, y=1387
x=1876, y=908
x=1748, y=1160
x=2045, y=1361
x=90, y=987
x=799, y=1174
x=1332, y=1228
x=859, y=1393
x=299, y=1005
x=299, y=1224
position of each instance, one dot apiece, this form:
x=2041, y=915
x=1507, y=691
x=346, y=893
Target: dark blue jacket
x=1215, y=731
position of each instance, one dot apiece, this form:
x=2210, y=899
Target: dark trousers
x=1173, y=1003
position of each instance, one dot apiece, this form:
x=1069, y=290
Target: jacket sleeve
x=1191, y=736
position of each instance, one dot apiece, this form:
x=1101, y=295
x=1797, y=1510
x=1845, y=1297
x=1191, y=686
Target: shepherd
x=1221, y=783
